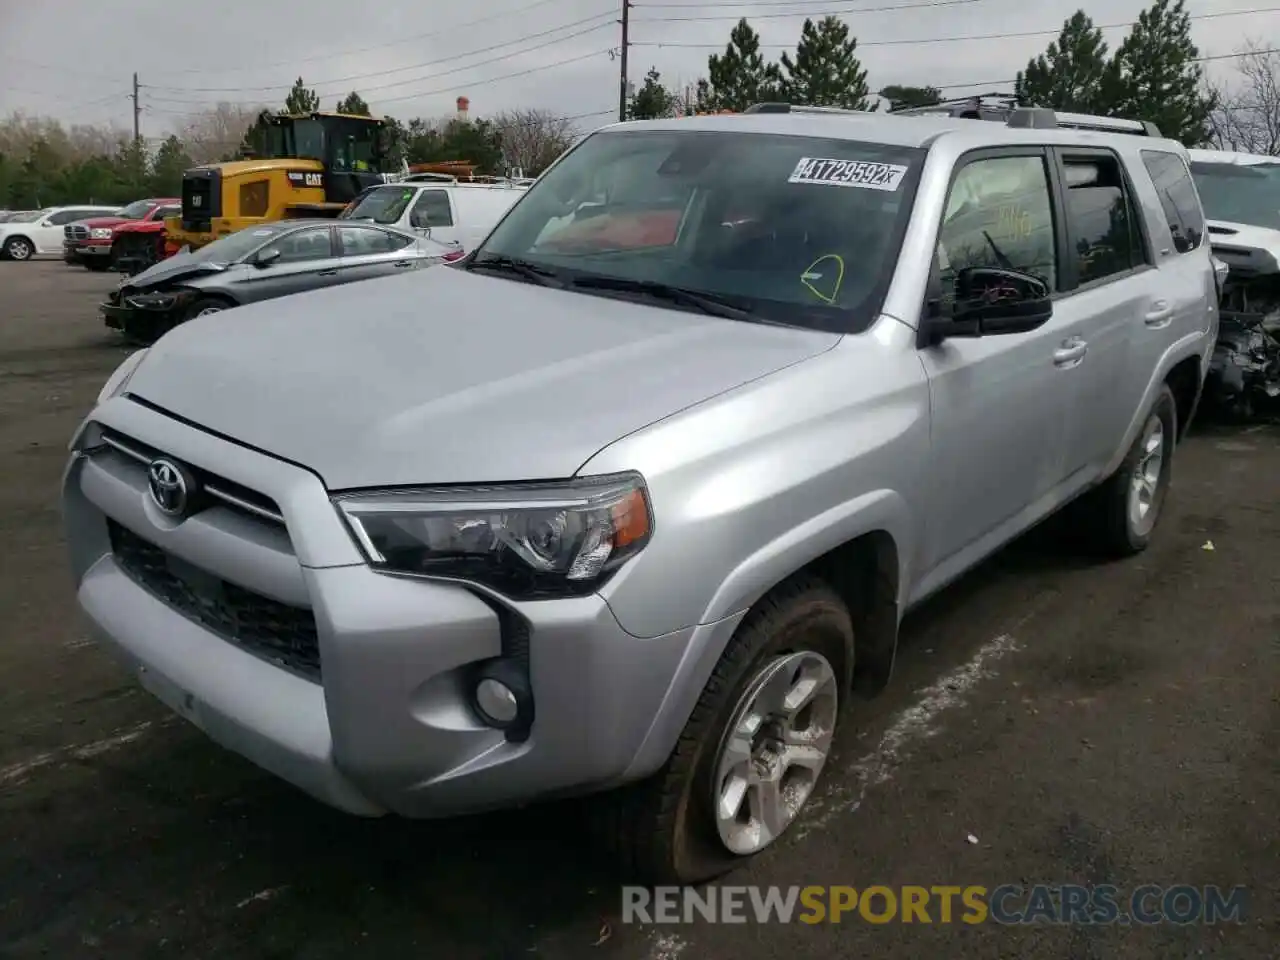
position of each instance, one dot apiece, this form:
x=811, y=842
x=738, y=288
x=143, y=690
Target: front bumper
x=143, y=326
x=79, y=252
x=385, y=724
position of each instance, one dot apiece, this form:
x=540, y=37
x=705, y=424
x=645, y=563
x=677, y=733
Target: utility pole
x=626, y=42
x=137, y=111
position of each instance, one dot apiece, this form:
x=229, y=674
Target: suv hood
x=1246, y=249
x=443, y=376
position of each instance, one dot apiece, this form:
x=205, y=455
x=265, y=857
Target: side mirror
x=993, y=301
x=267, y=257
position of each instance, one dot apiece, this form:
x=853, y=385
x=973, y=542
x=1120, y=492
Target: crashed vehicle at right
x=1240, y=193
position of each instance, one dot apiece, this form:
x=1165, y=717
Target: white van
x=453, y=211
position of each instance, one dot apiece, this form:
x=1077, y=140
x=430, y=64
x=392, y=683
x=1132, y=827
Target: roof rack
x=479, y=181
x=1001, y=107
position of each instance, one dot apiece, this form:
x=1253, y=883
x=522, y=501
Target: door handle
x=404, y=263
x=327, y=273
x=1160, y=314
x=1070, y=353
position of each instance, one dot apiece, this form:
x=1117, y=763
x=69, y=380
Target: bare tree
x=1247, y=117
x=532, y=139
x=218, y=131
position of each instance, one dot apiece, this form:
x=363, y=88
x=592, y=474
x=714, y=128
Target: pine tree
x=652, y=101
x=166, y=171
x=354, y=104
x=1157, y=77
x=301, y=100
x=1072, y=74
x=740, y=76
x=826, y=71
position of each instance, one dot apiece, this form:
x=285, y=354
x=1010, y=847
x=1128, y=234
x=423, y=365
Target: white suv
x=449, y=210
x=41, y=231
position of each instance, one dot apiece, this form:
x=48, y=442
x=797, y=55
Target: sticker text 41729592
x=848, y=173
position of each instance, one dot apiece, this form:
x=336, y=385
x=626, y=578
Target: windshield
x=308, y=139
x=234, y=246
x=381, y=205
x=354, y=146
x=1234, y=193
x=27, y=216
x=136, y=210
x=796, y=230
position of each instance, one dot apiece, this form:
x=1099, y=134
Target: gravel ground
x=1051, y=721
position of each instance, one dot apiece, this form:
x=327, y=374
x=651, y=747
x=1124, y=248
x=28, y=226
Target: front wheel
x=19, y=248
x=204, y=307
x=752, y=751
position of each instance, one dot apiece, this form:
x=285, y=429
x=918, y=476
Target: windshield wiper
x=520, y=268
x=707, y=303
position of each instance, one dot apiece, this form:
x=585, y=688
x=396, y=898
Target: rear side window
x=363, y=241
x=432, y=210
x=1178, y=197
x=1102, y=224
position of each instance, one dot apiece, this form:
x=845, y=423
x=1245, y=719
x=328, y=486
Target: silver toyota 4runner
x=635, y=496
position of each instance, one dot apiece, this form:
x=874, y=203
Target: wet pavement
x=1051, y=721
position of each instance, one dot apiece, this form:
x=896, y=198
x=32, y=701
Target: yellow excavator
x=307, y=165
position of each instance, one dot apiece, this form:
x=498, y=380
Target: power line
x=790, y=16
x=435, y=92
x=331, y=55
x=343, y=82
x=920, y=41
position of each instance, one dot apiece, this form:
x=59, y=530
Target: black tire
x=19, y=248
x=1103, y=516
x=662, y=830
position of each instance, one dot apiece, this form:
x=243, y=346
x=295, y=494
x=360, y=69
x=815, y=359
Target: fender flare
x=878, y=512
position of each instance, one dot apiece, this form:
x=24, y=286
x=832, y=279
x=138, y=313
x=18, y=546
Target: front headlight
x=100, y=233
x=161, y=299
x=120, y=379
x=527, y=541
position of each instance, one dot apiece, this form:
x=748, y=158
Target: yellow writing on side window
x=1013, y=222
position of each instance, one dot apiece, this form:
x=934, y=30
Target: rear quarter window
x=1178, y=198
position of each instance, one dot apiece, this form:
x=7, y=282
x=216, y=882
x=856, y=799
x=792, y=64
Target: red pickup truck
x=89, y=242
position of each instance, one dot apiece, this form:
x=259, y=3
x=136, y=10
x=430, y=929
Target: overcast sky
x=73, y=59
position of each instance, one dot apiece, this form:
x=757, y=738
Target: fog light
x=497, y=702
x=501, y=697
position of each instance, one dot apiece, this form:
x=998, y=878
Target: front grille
x=77, y=232
x=212, y=487
x=274, y=631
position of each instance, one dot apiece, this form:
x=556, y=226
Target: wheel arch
x=4, y=244
x=1184, y=380
x=865, y=567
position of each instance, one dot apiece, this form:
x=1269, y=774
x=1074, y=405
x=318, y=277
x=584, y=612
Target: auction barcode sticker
x=848, y=173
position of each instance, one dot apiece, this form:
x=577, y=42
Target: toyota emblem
x=171, y=487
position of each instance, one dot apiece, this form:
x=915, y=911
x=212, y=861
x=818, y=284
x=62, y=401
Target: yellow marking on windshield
x=810, y=276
